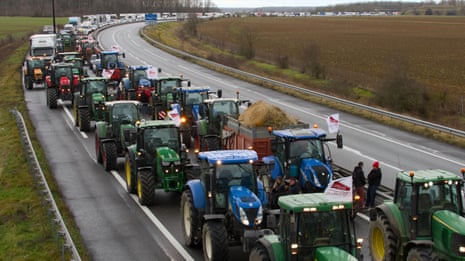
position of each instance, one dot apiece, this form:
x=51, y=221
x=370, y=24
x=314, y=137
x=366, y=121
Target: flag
x=340, y=189
x=174, y=115
x=333, y=123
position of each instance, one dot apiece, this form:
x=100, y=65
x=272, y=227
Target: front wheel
x=130, y=176
x=259, y=253
x=146, y=187
x=52, y=97
x=382, y=240
x=189, y=222
x=422, y=254
x=84, y=119
x=215, y=241
x=110, y=156
x=98, y=151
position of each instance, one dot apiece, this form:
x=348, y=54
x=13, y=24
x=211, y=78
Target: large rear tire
x=84, y=119
x=131, y=181
x=190, y=220
x=382, y=240
x=110, y=156
x=213, y=143
x=146, y=187
x=259, y=253
x=52, y=97
x=422, y=254
x=215, y=241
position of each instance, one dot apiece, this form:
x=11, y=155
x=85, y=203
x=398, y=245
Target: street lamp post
x=53, y=15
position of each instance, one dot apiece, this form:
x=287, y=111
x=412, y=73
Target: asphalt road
x=115, y=227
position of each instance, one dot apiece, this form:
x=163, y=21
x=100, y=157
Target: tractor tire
x=146, y=187
x=259, y=253
x=98, y=150
x=75, y=114
x=215, y=241
x=213, y=143
x=131, y=181
x=110, y=156
x=52, y=98
x=422, y=254
x=29, y=84
x=190, y=220
x=84, y=119
x=383, y=243
x=186, y=138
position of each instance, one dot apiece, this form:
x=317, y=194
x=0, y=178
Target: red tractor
x=61, y=83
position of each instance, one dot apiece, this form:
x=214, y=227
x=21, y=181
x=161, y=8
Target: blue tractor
x=111, y=65
x=302, y=153
x=225, y=206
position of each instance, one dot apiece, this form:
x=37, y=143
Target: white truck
x=43, y=45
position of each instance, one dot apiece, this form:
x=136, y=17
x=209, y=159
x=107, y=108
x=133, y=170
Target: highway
x=115, y=227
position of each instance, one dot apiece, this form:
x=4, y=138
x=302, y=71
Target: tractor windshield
x=45, y=51
x=125, y=112
x=96, y=86
x=195, y=97
x=167, y=86
x=329, y=228
x=110, y=60
x=63, y=71
x=36, y=63
x=225, y=108
x=235, y=174
x=310, y=148
x=157, y=137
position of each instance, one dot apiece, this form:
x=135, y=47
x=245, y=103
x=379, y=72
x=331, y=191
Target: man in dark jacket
x=374, y=180
x=358, y=179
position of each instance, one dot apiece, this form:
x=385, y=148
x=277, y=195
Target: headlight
x=259, y=218
x=244, y=219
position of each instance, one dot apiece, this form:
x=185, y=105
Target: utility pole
x=53, y=15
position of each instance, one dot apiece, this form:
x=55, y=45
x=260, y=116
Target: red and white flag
x=340, y=189
x=333, y=123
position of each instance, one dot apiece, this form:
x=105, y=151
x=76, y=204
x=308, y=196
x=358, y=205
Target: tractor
x=303, y=152
x=210, y=125
x=110, y=65
x=189, y=100
x=89, y=102
x=112, y=135
x=61, y=83
x=140, y=82
x=157, y=160
x=164, y=95
x=424, y=221
x=311, y=227
x=225, y=205
x=34, y=72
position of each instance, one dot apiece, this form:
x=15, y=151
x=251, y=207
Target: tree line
x=63, y=8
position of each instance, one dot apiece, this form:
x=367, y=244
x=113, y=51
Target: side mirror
x=219, y=93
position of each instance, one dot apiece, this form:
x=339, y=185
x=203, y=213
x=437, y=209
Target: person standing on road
x=374, y=180
x=359, y=181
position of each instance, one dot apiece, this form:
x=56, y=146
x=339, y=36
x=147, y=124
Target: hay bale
x=262, y=114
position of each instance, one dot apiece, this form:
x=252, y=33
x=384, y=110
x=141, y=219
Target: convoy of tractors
x=152, y=120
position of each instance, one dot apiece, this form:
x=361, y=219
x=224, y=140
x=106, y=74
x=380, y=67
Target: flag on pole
x=340, y=189
x=174, y=115
x=333, y=123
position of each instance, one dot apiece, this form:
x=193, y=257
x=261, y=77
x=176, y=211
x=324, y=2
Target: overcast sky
x=263, y=3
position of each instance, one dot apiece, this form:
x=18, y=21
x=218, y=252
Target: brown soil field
x=361, y=53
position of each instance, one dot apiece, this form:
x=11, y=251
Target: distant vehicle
x=94, y=60
x=47, y=29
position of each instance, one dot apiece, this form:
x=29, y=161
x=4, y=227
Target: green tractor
x=113, y=134
x=164, y=94
x=312, y=227
x=89, y=102
x=34, y=72
x=156, y=161
x=424, y=221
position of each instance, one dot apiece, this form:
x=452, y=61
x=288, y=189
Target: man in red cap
x=374, y=180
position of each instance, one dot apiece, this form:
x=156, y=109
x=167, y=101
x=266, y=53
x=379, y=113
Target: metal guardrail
x=59, y=229
x=392, y=115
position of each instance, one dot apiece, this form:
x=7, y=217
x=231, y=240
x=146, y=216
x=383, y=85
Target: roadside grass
x=25, y=227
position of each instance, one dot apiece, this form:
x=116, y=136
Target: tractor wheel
x=259, y=253
x=191, y=229
x=84, y=119
x=186, y=138
x=29, y=84
x=52, y=98
x=98, y=151
x=75, y=114
x=422, y=254
x=110, y=156
x=213, y=143
x=130, y=176
x=146, y=187
x=215, y=241
x=383, y=241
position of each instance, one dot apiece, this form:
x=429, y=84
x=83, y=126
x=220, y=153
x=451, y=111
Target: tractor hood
x=98, y=97
x=332, y=253
x=245, y=205
x=448, y=233
x=315, y=172
x=167, y=155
